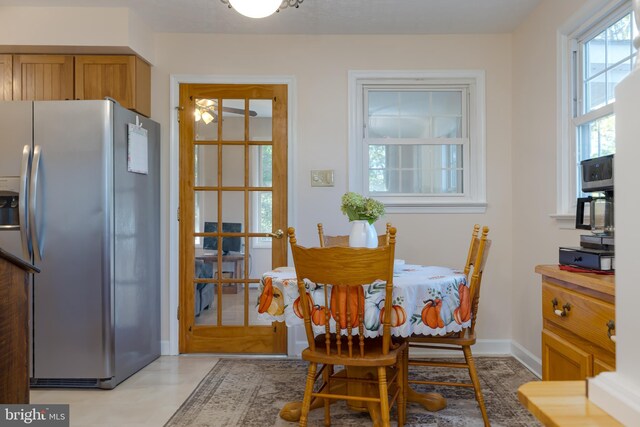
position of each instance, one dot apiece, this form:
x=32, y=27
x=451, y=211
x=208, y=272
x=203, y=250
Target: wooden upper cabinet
x=125, y=78
x=6, y=77
x=42, y=77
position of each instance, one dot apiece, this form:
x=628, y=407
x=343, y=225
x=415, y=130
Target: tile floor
x=148, y=398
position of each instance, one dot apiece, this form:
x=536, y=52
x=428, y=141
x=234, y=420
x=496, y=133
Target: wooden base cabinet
x=562, y=360
x=578, y=312
x=14, y=329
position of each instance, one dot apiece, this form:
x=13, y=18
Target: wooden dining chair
x=463, y=340
x=340, y=275
x=343, y=240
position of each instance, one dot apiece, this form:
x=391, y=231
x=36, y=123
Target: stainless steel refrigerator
x=70, y=205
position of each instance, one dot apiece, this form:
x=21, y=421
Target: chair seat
x=373, y=353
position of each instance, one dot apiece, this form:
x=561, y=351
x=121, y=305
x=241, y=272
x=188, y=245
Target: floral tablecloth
x=426, y=301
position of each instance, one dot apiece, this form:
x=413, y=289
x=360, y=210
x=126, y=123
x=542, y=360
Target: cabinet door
x=124, y=78
x=562, y=360
x=601, y=366
x=6, y=77
x=42, y=77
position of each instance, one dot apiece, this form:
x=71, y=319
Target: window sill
x=445, y=207
x=565, y=221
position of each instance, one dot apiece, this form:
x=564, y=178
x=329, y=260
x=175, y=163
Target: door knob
x=278, y=234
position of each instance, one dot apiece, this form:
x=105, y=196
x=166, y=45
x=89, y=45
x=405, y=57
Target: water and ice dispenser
x=9, y=198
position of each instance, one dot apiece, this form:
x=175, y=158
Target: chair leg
x=384, y=395
x=476, y=383
x=401, y=403
x=328, y=370
x=406, y=375
x=308, y=389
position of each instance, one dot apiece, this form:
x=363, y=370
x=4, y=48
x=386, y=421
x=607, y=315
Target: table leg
x=430, y=401
x=291, y=411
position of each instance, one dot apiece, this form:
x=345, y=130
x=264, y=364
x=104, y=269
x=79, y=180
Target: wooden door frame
x=170, y=347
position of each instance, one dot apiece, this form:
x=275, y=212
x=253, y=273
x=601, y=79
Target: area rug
x=248, y=393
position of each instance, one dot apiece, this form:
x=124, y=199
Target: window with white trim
x=601, y=53
x=417, y=140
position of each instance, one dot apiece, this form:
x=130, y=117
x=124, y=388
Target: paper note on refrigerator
x=138, y=147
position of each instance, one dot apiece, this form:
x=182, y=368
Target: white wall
x=320, y=65
x=536, y=236
x=75, y=30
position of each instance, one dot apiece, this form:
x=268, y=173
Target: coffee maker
x=596, y=249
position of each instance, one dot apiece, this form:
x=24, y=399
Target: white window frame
x=473, y=198
x=590, y=20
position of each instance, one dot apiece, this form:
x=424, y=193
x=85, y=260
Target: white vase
x=372, y=236
x=363, y=235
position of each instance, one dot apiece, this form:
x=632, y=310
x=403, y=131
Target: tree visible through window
x=265, y=198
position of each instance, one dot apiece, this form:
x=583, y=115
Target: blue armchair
x=204, y=291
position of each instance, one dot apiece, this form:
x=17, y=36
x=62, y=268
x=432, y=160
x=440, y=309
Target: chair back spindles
x=480, y=254
x=472, y=249
x=321, y=235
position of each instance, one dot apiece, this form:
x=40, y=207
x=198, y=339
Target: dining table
x=426, y=300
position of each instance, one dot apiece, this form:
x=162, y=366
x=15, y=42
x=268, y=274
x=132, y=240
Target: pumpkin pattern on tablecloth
x=319, y=315
x=431, y=313
x=266, y=296
x=463, y=312
x=297, y=305
x=437, y=306
x=398, y=315
x=339, y=308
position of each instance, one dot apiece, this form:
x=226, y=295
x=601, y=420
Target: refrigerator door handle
x=22, y=203
x=33, y=203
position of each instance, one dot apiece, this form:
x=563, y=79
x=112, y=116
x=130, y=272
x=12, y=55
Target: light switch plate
x=322, y=178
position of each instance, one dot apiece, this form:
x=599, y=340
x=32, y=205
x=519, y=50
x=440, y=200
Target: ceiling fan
x=207, y=110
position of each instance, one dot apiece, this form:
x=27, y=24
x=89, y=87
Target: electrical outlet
x=322, y=178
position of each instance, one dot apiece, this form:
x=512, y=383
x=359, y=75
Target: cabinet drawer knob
x=611, y=326
x=565, y=308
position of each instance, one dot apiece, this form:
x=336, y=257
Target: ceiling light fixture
x=207, y=111
x=260, y=8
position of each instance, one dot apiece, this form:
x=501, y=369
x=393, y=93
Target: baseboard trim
x=616, y=396
x=480, y=348
x=524, y=356
x=165, y=348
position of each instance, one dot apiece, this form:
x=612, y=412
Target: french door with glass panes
x=233, y=209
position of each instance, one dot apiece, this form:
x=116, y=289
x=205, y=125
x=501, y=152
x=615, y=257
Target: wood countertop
x=18, y=262
x=563, y=404
x=596, y=282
